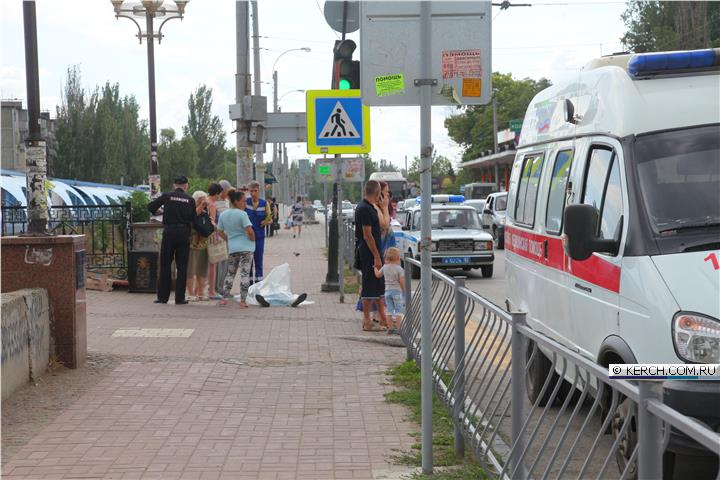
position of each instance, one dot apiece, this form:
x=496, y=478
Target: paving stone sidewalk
x=275, y=393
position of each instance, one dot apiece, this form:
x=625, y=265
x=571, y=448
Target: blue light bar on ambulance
x=669, y=62
x=443, y=199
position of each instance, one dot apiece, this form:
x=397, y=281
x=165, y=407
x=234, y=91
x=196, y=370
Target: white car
x=458, y=239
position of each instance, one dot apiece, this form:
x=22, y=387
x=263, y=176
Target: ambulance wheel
x=537, y=373
x=487, y=271
x=414, y=271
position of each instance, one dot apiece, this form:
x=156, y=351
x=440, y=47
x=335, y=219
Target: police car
x=458, y=239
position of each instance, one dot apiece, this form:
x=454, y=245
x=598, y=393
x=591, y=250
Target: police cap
x=181, y=180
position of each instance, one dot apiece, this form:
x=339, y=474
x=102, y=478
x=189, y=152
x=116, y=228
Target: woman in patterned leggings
x=235, y=227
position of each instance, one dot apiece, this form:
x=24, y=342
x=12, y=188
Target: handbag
x=217, y=251
x=203, y=225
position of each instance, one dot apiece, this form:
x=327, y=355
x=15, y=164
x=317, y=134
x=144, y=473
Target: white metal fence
x=581, y=424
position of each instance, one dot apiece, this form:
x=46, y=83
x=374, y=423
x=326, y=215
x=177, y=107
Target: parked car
x=479, y=206
x=493, y=217
x=318, y=206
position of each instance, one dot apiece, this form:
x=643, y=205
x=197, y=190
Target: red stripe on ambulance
x=532, y=246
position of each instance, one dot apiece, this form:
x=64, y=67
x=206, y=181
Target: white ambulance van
x=623, y=164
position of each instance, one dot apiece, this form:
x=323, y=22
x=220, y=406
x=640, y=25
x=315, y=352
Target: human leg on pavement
x=182, y=252
x=166, y=257
x=245, y=262
x=258, y=258
x=232, y=263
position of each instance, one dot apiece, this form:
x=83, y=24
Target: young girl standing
x=394, y=288
x=236, y=228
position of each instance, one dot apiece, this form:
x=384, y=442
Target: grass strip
x=406, y=377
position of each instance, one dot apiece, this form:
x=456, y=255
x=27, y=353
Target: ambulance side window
x=557, y=195
x=416, y=221
x=528, y=189
x=603, y=189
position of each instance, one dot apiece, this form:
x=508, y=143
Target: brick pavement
x=276, y=393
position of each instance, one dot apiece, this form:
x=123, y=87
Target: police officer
x=178, y=217
x=260, y=215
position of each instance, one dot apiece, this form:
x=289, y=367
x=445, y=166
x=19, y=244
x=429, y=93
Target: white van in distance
x=623, y=165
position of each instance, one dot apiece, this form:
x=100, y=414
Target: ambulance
x=612, y=232
x=458, y=239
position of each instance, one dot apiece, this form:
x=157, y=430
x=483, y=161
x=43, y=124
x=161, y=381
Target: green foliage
x=441, y=165
x=179, y=157
x=199, y=183
x=138, y=206
x=473, y=127
x=406, y=376
x=207, y=131
x=98, y=135
x=660, y=26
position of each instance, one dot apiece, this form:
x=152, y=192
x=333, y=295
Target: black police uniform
x=178, y=217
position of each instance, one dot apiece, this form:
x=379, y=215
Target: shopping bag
x=217, y=251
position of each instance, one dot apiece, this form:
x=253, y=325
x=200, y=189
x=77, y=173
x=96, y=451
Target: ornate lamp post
x=150, y=9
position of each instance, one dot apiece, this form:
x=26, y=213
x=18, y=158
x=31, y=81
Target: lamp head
x=152, y=6
x=305, y=49
x=117, y=5
x=180, y=4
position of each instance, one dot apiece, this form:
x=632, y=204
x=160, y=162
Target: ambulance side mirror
x=487, y=211
x=580, y=239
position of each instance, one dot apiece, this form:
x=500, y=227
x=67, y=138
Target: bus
x=397, y=183
x=478, y=191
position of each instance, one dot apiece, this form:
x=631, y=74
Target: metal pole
x=495, y=126
x=459, y=387
x=242, y=87
x=650, y=432
x=286, y=174
x=426, y=149
x=275, y=162
x=150, y=37
x=340, y=226
x=259, y=157
x=407, y=325
x=36, y=169
x=517, y=399
x=325, y=194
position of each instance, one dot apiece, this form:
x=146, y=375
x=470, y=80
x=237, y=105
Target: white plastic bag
x=275, y=287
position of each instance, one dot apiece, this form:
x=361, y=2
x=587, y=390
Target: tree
x=178, y=157
x=98, y=136
x=441, y=166
x=386, y=166
x=473, y=127
x=207, y=131
x=661, y=26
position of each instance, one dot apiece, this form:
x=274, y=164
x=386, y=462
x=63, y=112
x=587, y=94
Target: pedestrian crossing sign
x=337, y=122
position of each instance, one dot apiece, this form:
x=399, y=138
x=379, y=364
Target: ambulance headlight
x=483, y=245
x=696, y=338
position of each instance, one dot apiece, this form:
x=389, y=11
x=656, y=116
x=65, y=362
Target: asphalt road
x=495, y=288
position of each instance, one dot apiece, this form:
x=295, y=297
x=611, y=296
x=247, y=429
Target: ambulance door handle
x=545, y=248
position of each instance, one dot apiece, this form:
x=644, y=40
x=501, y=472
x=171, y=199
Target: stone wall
x=25, y=337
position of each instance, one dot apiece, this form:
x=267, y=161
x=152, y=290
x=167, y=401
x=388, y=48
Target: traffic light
x=346, y=71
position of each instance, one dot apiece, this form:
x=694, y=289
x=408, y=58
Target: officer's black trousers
x=175, y=244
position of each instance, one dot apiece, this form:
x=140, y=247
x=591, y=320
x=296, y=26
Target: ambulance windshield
x=679, y=173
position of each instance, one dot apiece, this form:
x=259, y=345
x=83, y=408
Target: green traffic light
x=344, y=84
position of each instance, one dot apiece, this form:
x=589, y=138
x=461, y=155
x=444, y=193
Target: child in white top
x=394, y=288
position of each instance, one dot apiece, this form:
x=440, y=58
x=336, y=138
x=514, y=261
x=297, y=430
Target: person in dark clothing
x=367, y=238
x=178, y=216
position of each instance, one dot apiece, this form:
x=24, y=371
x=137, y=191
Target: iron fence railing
x=581, y=423
x=107, y=230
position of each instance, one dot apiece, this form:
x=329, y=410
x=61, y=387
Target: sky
x=551, y=39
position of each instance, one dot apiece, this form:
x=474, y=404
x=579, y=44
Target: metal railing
x=580, y=424
x=107, y=230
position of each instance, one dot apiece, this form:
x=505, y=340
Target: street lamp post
x=285, y=196
x=151, y=9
